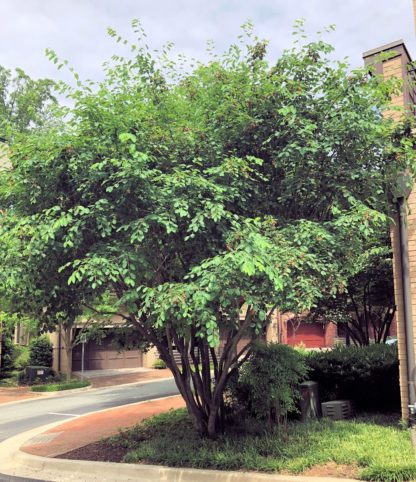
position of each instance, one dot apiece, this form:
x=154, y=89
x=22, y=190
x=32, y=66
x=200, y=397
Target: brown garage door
x=312, y=335
x=105, y=356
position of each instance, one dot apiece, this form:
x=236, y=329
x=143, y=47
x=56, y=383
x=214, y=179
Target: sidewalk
x=91, y=428
x=15, y=394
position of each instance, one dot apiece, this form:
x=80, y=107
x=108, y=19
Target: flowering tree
x=197, y=195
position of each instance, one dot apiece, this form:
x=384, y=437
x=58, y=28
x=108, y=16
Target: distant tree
x=364, y=308
x=24, y=102
x=46, y=297
x=25, y=105
x=199, y=195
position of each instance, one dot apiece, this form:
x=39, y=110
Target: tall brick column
x=397, y=66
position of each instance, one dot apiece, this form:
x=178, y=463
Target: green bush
x=41, y=352
x=268, y=383
x=7, y=355
x=159, y=364
x=369, y=375
x=52, y=377
x=22, y=354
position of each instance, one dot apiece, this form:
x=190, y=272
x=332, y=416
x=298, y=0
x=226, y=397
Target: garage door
x=105, y=356
x=312, y=335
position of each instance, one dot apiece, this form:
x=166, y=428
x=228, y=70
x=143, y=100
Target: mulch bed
x=97, y=451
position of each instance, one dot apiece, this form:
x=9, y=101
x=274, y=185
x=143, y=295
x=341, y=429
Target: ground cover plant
x=374, y=447
x=196, y=195
x=10, y=379
x=58, y=387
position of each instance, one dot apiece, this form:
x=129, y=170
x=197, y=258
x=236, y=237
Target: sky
x=76, y=29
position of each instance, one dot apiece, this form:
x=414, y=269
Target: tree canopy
x=24, y=102
x=203, y=198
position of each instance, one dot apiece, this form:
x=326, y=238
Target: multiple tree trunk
x=202, y=372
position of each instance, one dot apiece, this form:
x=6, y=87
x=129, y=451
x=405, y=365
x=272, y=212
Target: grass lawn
x=57, y=387
x=374, y=447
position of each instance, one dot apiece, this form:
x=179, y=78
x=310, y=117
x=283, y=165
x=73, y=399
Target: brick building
x=403, y=231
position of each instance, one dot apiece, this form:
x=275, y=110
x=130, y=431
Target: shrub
x=41, y=352
x=159, y=364
x=24, y=378
x=268, y=383
x=368, y=375
x=22, y=354
x=7, y=355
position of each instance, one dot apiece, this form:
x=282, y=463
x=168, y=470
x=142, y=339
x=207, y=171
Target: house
x=100, y=354
x=104, y=354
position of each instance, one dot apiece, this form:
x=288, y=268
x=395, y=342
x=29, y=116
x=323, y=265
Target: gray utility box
x=37, y=373
x=337, y=409
x=309, y=403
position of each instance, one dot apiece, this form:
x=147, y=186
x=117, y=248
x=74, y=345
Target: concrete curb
x=153, y=473
x=90, y=388
x=59, y=393
x=62, y=469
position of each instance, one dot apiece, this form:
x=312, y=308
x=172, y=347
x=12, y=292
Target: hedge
x=369, y=376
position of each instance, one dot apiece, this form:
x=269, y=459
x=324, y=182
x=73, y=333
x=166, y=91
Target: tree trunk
x=68, y=345
x=203, y=398
x=213, y=425
x=202, y=395
x=69, y=364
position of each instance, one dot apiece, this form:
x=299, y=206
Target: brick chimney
x=393, y=60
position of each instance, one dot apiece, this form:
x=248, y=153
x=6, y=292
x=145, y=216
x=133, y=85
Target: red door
x=312, y=335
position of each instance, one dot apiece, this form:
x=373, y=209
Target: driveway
x=108, y=378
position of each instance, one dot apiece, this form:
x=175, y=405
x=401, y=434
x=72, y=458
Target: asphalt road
x=23, y=416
